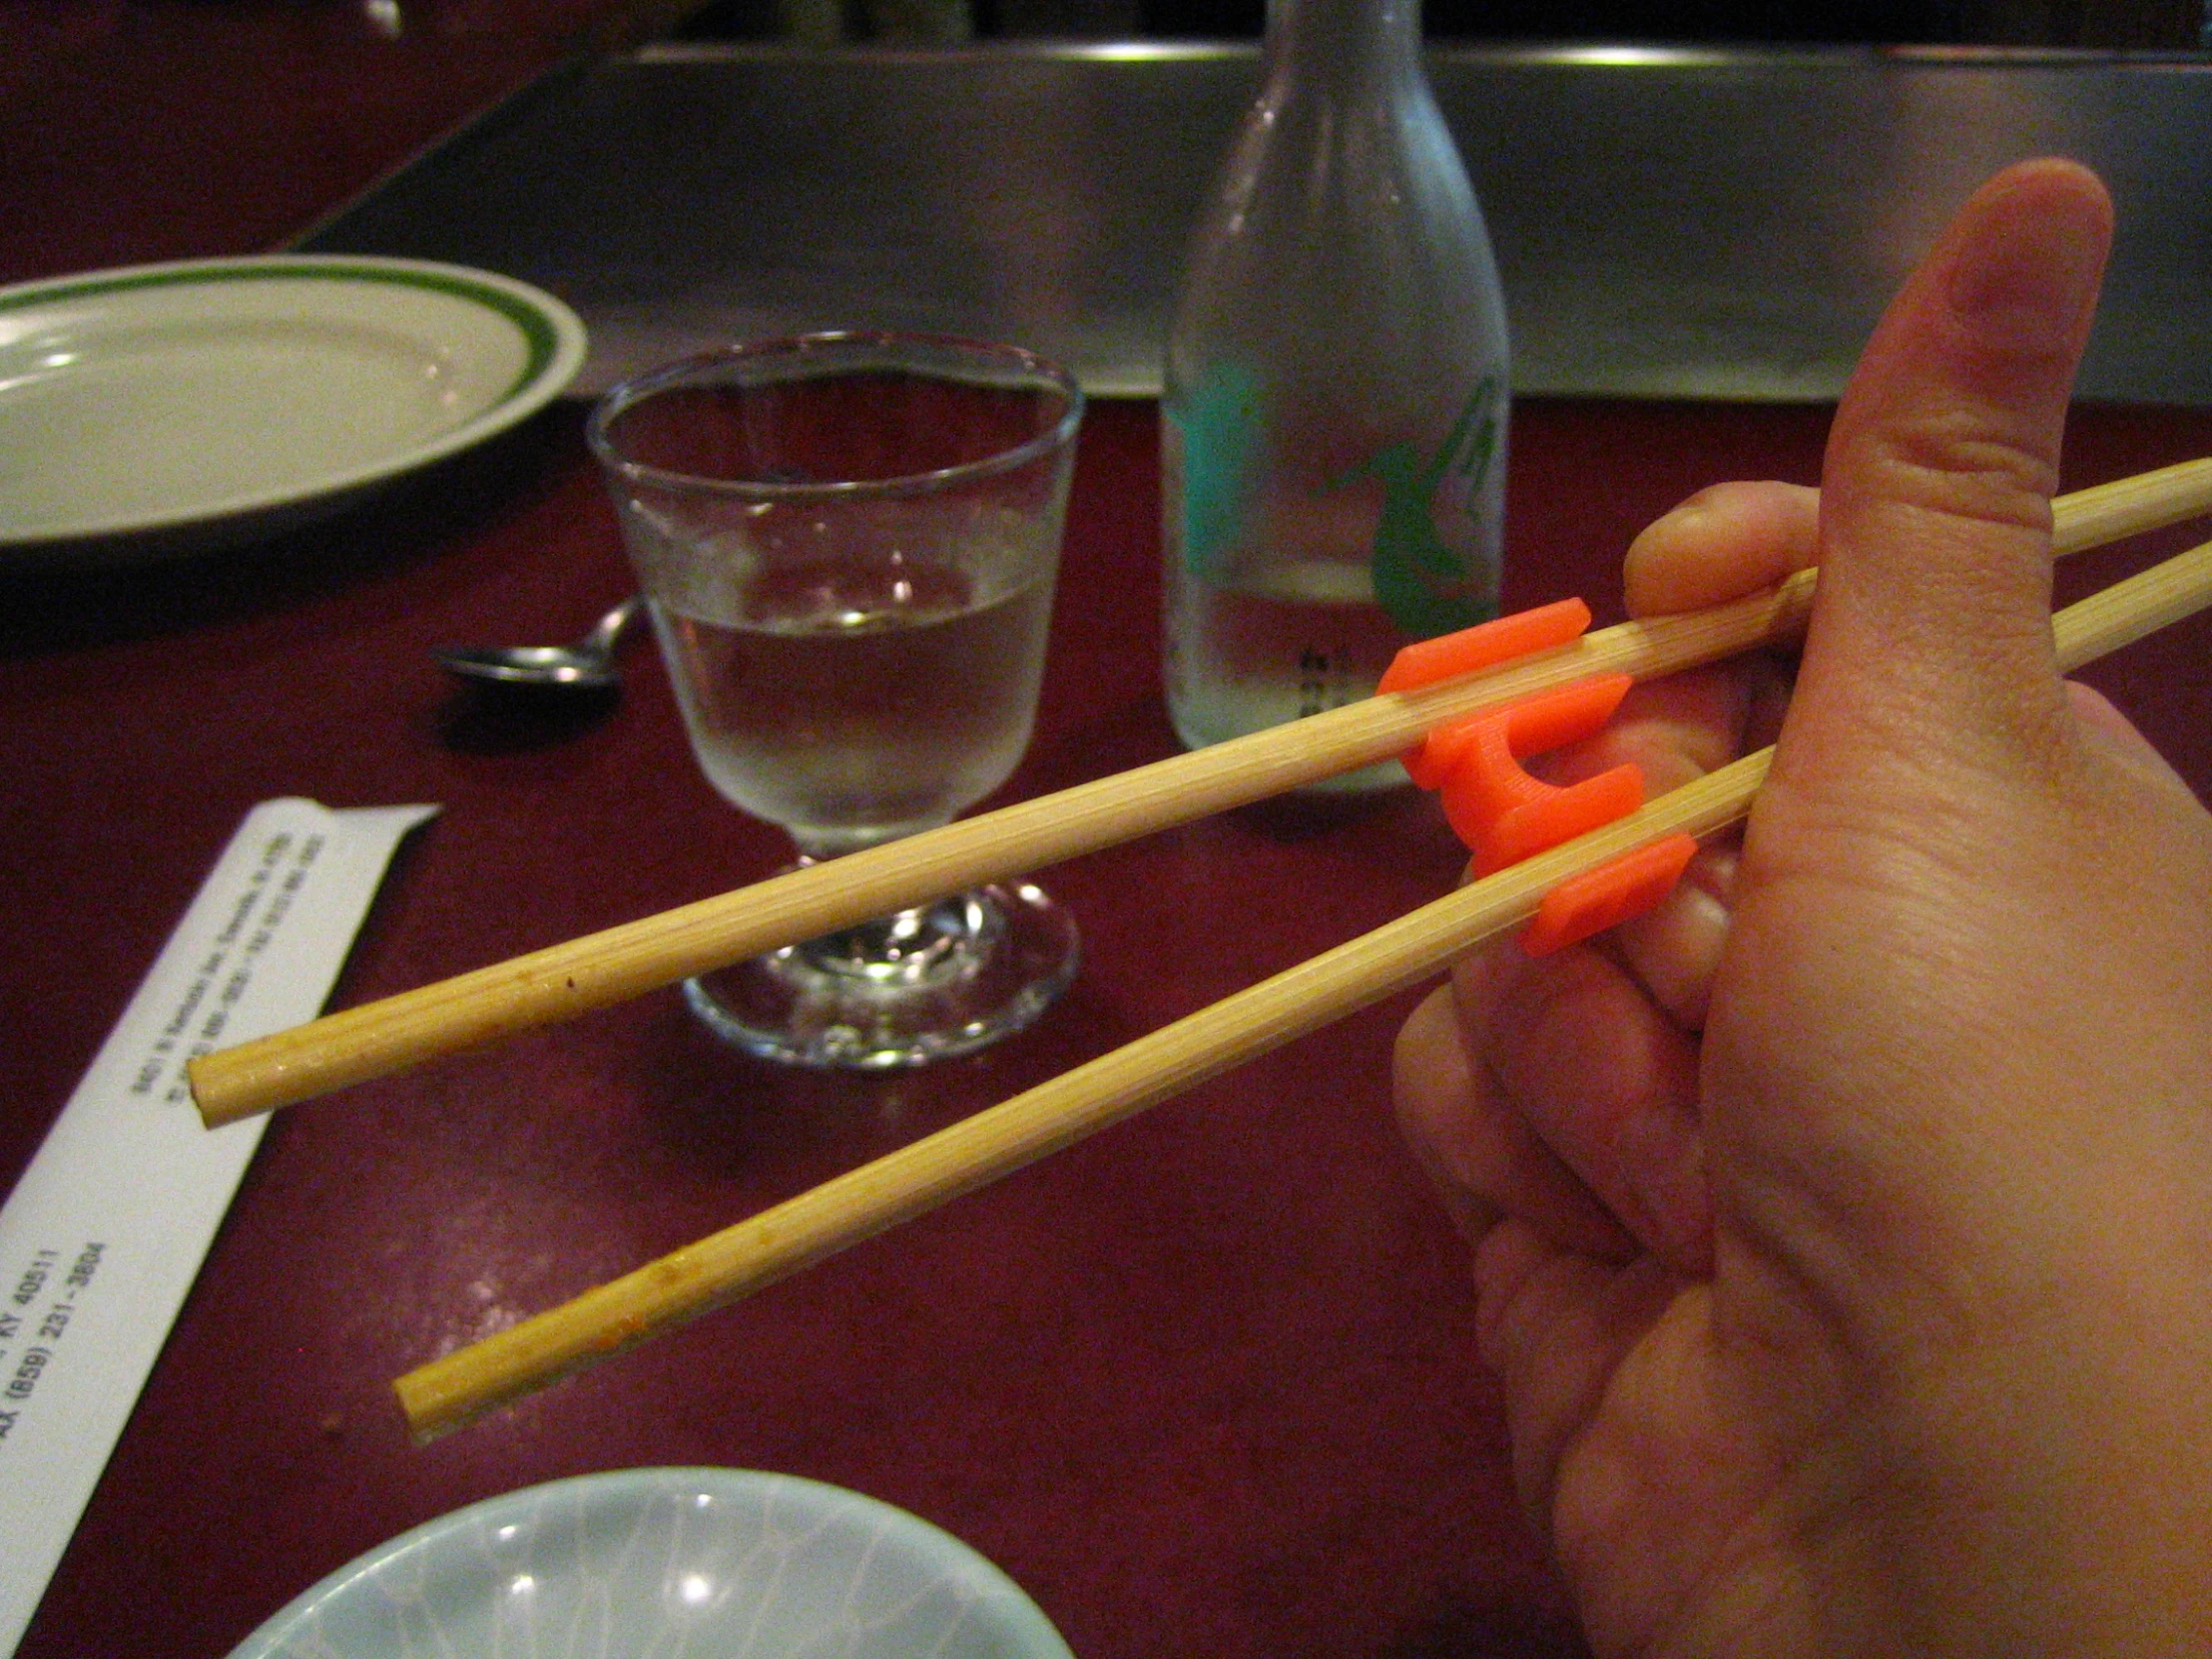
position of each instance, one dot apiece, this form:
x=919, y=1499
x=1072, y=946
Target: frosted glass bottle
x=1336, y=392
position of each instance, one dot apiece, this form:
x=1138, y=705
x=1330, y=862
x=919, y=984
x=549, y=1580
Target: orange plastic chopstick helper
x=1472, y=650
x=1503, y=814
x=1613, y=892
x=1486, y=645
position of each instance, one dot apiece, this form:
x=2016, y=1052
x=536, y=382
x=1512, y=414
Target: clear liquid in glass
x=855, y=701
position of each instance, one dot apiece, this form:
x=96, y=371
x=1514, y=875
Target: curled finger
x=1479, y=1149
x=1604, y=1079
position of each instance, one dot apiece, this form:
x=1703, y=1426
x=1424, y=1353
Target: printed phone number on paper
x=23, y=1319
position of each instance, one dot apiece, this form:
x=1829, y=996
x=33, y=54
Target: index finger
x=1726, y=541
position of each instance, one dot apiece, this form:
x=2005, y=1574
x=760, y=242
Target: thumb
x=1933, y=618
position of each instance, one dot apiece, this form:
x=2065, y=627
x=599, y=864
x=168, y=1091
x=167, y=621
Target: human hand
x=1843, y=1230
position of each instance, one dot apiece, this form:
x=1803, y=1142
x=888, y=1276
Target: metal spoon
x=588, y=662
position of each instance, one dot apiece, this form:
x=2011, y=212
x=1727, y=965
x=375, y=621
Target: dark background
x=2136, y=24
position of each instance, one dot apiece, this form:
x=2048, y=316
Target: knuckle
x=1951, y=463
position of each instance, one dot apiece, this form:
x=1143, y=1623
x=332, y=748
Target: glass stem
x=817, y=846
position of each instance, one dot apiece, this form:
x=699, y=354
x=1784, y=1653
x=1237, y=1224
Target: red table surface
x=1204, y=1384
x=142, y=130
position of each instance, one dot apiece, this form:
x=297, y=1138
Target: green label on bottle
x=1420, y=580
x=1219, y=425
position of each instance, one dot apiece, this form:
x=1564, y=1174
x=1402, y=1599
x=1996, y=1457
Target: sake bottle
x=1333, y=411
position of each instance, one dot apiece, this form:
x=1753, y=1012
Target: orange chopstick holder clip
x=1501, y=813
x=1613, y=892
x=1472, y=650
x=1493, y=805
x=1499, y=640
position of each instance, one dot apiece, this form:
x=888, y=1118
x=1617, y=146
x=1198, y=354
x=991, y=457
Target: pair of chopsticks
x=623, y=963
x=455, y=1014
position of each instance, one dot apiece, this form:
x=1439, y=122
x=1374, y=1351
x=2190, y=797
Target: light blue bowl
x=663, y=1564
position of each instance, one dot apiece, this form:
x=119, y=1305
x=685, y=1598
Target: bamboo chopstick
x=452, y=1392
x=602, y=968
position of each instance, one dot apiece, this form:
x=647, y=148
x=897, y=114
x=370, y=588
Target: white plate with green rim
x=661, y=1563
x=172, y=407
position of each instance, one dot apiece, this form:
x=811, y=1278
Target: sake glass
x=849, y=544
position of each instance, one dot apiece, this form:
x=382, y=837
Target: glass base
x=926, y=984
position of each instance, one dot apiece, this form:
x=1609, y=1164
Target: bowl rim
x=1007, y=1605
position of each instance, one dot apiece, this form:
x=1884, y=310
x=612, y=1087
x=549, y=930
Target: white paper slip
x=105, y=1233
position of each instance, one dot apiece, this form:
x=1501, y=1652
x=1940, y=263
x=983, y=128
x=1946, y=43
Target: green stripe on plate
x=538, y=335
